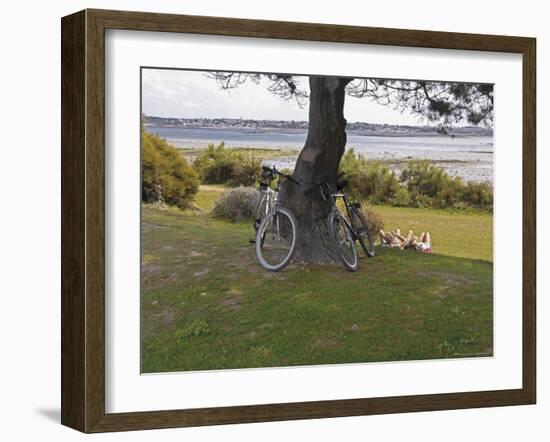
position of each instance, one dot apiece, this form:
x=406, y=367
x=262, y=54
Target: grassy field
x=464, y=235
x=207, y=304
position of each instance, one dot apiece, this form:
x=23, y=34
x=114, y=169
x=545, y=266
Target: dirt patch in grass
x=149, y=227
x=445, y=283
x=329, y=342
x=450, y=279
x=168, y=280
x=151, y=269
x=166, y=317
x=200, y=273
x=266, y=325
x=232, y=300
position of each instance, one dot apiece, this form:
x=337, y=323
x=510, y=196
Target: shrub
x=368, y=180
x=237, y=204
x=166, y=175
x=214, y=164
x=246, y=172
x=430, y=186
x=219, y=165
x=402, y=198
x=352, y=163
x=420, y=200
x=478, y=195
x=374, y=221
x=425, y=178
x=421, y=184
x=381, y=184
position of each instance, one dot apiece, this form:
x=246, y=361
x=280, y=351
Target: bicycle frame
x=270, y=219
x=272, y=198
x=347, y=203
x=271, y=203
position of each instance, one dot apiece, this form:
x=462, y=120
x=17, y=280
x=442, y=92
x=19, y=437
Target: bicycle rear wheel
x=343, y=241
x=361, y=227
x=276, y=239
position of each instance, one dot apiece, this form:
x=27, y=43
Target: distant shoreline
x=359, y=133
x=301, y=127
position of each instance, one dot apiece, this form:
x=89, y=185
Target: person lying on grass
x=391, y=239
x=424, y=244
x=395, y=239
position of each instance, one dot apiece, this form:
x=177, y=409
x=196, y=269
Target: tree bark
x=318, y=162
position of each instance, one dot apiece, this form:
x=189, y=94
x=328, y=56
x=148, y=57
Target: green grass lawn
x=207, y=304
x=460, y=234
x=465, y=234
x=207, y=196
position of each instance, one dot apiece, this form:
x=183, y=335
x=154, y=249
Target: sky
x=190, y=94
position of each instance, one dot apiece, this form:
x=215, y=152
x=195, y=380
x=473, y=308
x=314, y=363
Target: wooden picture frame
x=83, y=220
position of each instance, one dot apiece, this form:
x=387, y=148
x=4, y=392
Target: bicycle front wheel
x=276, y=239
x=359, y=223
x=343, y=241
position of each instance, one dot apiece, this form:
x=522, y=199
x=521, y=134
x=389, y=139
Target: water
x=468, y=157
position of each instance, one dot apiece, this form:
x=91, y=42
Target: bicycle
x=276, y=227
x=262, y=208
x=345, y=233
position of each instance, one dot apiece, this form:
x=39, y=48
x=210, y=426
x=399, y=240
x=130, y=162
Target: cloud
x=191, y=94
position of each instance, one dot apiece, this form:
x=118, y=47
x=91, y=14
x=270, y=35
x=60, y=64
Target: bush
x=368, y=180
x=430, y=186
x=237, y=204
x=166, y=176
x=478, y=195
x=219, y=165
x=425, y=178
x=421, y=184
x=402, y=198
x=374, y=221
x=420, y=200
x=246, y=172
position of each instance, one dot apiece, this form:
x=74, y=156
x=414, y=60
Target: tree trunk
x=318, y=162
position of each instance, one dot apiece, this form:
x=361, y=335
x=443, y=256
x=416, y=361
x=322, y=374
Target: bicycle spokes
x=344, y=241
x=277, y=239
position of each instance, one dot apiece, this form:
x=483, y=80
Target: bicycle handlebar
x=326, y=188
x=277, y=172
x=291, y=179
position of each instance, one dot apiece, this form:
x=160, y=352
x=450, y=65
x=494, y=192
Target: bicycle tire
x=261, y=235
x=335, y=221
x=362, y=228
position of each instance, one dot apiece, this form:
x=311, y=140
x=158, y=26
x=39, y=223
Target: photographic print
x=292, y=204
x=298, y=220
